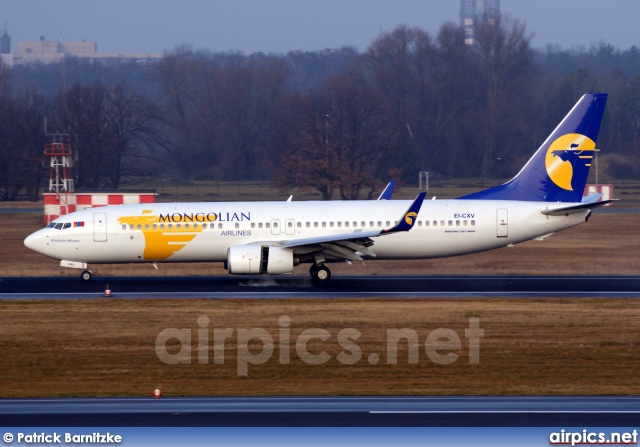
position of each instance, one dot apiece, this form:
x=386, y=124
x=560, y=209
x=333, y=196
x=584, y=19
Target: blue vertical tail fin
x=558, y=170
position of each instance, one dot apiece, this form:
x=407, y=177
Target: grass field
x=530, y=347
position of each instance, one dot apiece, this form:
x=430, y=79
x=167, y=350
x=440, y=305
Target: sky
x=279, y=26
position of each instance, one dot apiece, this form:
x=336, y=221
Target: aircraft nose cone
x=34, y=242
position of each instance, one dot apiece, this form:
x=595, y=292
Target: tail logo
x=568, y=152
x=408, y=218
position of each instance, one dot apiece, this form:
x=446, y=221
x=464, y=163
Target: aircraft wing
x=347, y=245
x=572, y=209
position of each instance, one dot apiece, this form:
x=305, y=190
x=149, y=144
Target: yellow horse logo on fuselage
x=161, y=240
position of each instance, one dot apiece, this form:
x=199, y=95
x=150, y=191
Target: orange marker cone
x=157, y=393
x=107, y=291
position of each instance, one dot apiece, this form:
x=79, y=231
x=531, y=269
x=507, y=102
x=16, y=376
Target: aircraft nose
x=34, y=241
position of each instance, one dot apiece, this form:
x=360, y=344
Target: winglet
x=388, y=191
x=409, y=217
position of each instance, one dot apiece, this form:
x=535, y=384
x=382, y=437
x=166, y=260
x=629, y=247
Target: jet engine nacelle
x=258, y=260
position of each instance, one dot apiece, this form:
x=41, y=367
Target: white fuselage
x=190, y=232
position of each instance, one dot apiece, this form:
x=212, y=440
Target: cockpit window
x=58, y=226
x=67, y=225
x=51, y=225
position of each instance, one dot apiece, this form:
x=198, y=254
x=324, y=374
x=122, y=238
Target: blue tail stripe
x=534, y=182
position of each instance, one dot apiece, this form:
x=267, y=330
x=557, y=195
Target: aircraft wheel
x=86, y=275
x=312, y=270
x=322, y=274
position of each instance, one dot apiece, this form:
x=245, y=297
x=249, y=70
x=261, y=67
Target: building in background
x=5, y=48
x=471, y=11
x=47, y=52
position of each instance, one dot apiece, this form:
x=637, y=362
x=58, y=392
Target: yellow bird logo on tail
x=408, y=218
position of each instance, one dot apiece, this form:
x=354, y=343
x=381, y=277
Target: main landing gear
x=86, y=275
x=320, y=273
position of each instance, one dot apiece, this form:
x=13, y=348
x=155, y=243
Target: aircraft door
x=290, y=226
x=100, y=227
x=275, y=227
x=502, y=222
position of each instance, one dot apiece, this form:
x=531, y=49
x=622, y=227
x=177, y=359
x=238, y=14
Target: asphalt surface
x=323, y=411
x=338, y=287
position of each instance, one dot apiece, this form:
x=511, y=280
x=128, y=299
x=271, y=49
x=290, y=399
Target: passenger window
x=346, y=224
x=339, y=224
x=124, y=226
x=131, y=226
x=178, y=226
x=299, y=224
x=139, y=227
x=388, y=224
x=289, y=225
x=162, y=226
x=331, y=224
x=170, y=226
x=363, y=224
x=238, y=225
x=371, y=223
x=260, y=225
x=450, y=223
x=473, y=223
x=146, y=226
x=465, y=223
x=267, y=225
x=186, y=226
x=442, y=223
x=457, y=223
x=426, y=223
x=315, y=225
x=308, y=224
x=220, y=226
x=419, y=223
x=253, y=225
x=324, y=224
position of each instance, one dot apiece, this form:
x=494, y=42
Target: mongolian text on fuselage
x=205, y=217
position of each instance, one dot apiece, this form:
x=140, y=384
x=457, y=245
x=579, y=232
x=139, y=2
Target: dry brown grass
x=531, y=347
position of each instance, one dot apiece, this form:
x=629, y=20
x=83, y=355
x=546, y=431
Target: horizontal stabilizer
x=565, y=211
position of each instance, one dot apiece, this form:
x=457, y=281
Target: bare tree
x=339, y=140
x=505, y=64
x=109, y=126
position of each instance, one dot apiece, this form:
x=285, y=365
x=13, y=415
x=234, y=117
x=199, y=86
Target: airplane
x=255, y=238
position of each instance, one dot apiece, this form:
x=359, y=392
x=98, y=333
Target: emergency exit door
x=100, y=227
x=502, y=222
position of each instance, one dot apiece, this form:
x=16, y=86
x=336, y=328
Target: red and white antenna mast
x=60, y=174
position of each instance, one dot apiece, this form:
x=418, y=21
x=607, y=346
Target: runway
x=322, y=411
x=261, y=287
